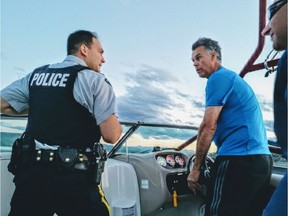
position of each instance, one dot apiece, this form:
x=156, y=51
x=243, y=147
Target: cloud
x=152, y=97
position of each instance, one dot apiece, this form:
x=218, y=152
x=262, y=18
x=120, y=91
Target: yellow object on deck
x=175, y=199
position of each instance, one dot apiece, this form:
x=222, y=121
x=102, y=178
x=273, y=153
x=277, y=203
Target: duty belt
x=80, y=160
x=64, y=158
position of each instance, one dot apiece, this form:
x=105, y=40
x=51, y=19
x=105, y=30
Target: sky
x=147, y=47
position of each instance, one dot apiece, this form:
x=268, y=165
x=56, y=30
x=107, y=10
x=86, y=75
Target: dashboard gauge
x=179, y=160
x=170, y=160
x=161, y=161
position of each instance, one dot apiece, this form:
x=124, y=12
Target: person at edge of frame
x=233, y=119
x=277, y=30
x=70, y=106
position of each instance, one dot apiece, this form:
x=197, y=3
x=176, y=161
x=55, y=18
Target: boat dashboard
x=159, y=175
x=175, y=169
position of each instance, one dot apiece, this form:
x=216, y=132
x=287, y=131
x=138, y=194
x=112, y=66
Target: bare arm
x=7, y=109
x=111, y=129
x=206, y=132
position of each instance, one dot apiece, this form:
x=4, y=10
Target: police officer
x=71, y=105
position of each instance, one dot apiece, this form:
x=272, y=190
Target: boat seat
x=120, y=185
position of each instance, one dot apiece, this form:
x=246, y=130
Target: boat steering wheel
x=205, y=173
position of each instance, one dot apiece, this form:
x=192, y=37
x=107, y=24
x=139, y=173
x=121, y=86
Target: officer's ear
x=83, y=49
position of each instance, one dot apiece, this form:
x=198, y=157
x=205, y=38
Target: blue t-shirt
x=240, y=126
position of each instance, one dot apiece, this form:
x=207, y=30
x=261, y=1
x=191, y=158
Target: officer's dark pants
x=43, y=190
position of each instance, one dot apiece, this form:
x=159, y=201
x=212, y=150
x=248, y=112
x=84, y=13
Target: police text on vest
x=50, y=79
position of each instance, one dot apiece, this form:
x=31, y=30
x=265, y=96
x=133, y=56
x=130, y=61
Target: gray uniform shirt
x=91, y=90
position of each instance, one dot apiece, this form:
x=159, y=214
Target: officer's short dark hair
x=77, y=38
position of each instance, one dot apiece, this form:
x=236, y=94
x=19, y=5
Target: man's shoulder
x=89, y=76
x=223, y=72
x=226, y=70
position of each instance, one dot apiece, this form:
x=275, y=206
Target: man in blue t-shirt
x=233, y=120
x=277, y=29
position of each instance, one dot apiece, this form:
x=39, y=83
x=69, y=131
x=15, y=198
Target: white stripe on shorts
x=222, y=169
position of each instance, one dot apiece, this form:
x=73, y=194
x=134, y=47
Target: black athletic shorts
x=238, y=185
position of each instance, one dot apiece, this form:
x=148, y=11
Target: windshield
x=146, y=138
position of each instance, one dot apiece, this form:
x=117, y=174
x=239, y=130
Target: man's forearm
x=13, y=112
x=205, y=136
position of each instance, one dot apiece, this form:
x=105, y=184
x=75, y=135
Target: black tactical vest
x=55, y=117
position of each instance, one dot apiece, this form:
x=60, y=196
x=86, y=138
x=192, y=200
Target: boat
x=146, y=171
